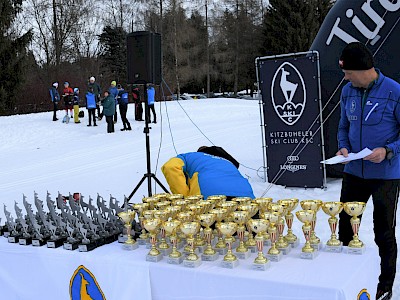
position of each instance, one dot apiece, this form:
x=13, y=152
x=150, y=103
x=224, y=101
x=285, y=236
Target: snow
x=41, y=155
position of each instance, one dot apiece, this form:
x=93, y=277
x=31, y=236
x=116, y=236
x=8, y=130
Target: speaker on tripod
x=144, y=66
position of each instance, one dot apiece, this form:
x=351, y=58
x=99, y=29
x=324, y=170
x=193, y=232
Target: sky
x=41, y=155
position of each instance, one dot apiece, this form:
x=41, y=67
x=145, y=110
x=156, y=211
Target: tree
x=13, y=54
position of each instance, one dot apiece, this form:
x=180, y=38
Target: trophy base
x=186, y=253
x=261, y=267
x=286, y=250
x=334, y=249
x=307, y=255
x=316, y=247
x=6, y=234
x=87, y=247
x=253, y=249
x=201, y=248
x=38, y=242
x=274, y=257
x=267, y=242
x=108, y=239
x=243, y=255
x=55, y=243
x=130, y=247
x=294, y=244
x=13, y=239
x=191, y=263
x=122, y=238
x=213, y=257
x=229, y=264
x=165, y=252
x=221, y=251
x=71, y=246
x=141, y=241
x=357, y=251
x=25, y=241
x=153, y=258
x=175, y=260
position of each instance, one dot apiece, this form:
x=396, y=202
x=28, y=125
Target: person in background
x=197, y=173
x=108, y=103
x=76, y=105
x=123, y=100
x=97, y=93
x=55, y=98
x=91, y=105
x=67, y=95
x=150, y=100
x=370, y=117
x=114, y=92
x=138, y=103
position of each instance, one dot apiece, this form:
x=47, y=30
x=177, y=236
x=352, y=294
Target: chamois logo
x=84, y=286
x=288, y=93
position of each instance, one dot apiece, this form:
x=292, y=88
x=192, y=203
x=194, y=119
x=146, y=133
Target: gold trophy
x=151, y=201
x=184, y=216
x=152, y=226
x=314, y=205
x=306, y=217
x=220, y=214
x=175, y=257
x=282, y=244
x=127, y=217
x=197, y=209
x=163, y=246
x=175, y=197
x=162, y=196
x=241, y=217
x=192, y=260
x=262, y=203
x=218, y=199
x=242, y=200
x=252, y=208
x=228, y=229
x=274, y=254
x=259, y=226
x=291, y=204
x=139, y=208
x=206, y=220
x=332, y=209
x=354, y=209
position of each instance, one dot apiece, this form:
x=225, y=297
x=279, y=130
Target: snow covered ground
x=40, y=155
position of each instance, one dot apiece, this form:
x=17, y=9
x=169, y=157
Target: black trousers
x=110, y=124
x=138, y=111
x=151, y=107
x=384, y=196
x=92, y=113
x=123, y=108
x=54, y=111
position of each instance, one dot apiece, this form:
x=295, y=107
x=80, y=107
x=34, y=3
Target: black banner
x=291, y=112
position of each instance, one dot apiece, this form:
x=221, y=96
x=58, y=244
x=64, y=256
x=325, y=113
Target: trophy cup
x=332, y=209
x=139, y=208
x=354, y=209
x=274, y=254
x=151, y=201
x=314, y=205
x=206, y=220
x=291, y=204
x=163, y=246
x=306, y=217
x=259, y=226
x=262, y=203
x=127, y=217
x=220, y=214
x=242, y=200
x=240, y=218
x=175, y=257
x=162, y=196
x=228, y=229
x=175, y=197
x=71, y=243
x=192, y=260
x=197, y=209
x=148, y=214
x=253, y=209
x=152, y=226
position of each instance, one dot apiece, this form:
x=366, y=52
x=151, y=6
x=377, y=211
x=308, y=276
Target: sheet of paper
x=352, y=156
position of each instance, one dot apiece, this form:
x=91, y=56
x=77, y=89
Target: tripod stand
x=149, y=175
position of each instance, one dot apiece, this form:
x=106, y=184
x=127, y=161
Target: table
x=28, y=272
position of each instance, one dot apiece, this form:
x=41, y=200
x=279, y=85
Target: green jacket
x=108, y=105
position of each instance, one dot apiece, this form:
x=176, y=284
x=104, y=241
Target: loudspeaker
x=144, y=57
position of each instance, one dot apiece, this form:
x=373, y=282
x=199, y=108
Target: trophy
x=314, y=205
x=25, y=238
x=175, y=197
x=262, y=203
x=151, y=201
x=220, y=214
x=163, y=246
x=162, y=196
x=332, y=209
x=184, y=216
x=282, y=244
x=175, y=257
x=192, y=260
x=218, y=199
x=228, y=229
x=242, y=200
x=259, y=226
x=127, y=217
x=152, y=226
x=71, y=243
x=354, y=209
x=139, y=208
x=56, y=239
x=306, y=217
x=240, y=218
x=252, y=208
x=197, y=209
x=86, y=244
x=274, y=254
x=206, y=220
x=291, y=204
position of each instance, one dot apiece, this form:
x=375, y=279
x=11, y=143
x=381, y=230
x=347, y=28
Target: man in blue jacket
x=55, y=98
x=370, y=117
x=150, y=100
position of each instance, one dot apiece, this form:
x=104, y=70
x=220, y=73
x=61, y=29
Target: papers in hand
x=352, y=156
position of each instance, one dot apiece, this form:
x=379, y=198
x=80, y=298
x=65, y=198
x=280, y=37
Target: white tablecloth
x=27, y=272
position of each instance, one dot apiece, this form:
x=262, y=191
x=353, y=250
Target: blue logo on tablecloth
x=84, y=286
x=363, y=295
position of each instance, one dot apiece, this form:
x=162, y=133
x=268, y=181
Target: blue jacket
x=200, y=173
x=114, y=91
x=55, y=96
x=374, y=123
x=150, y=95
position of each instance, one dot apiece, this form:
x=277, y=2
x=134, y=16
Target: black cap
x=356, y=56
